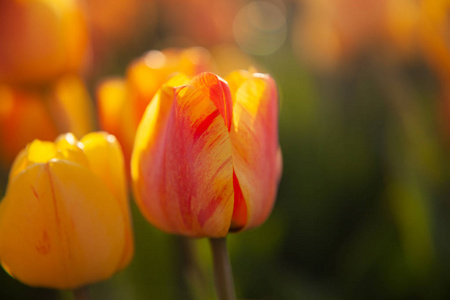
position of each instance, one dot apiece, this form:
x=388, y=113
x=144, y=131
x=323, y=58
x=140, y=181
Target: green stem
x=81, y=293
x=193, y=282
x=223, y=276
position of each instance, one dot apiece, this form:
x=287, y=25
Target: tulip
x=137, y=22
x=64, y=221
x=122, y=102
x=206, y=158
x=41, y=40
x=27, y=114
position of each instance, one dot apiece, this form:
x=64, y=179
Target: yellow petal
x=40, y=151
x=68, y=149
x=116, y=113
x=106, y=161
x=71, y=106
x=20, y=163
x=256, y=154
x=60, y=227
x=235, y=80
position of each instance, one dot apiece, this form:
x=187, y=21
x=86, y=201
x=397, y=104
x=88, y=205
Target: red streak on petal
x=218, y=92
x=221, y=96
x=43, y=245
x=239, y=218
x=55, y=203
x=205, y=124
x=206, y=213
x=35, y=192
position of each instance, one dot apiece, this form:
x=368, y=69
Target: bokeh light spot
x=259, y=28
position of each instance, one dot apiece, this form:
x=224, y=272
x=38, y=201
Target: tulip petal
x=181, y=163
x=116, y=114
x=256, y=154
x=106, y=161
x=235, y=80
x=39, y=151
x=24, y=116
x=71, y=106
x=218, y=91
x=67, y=149
x=19, y=164
x=60, y=227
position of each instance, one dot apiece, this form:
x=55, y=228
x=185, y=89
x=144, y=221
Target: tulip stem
x=223, y=276
x=81, y=293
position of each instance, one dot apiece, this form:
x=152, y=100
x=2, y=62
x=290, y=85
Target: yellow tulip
x=65, y=220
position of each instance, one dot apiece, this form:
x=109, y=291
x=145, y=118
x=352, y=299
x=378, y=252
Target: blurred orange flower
x=199, y=22
x=206, y=158
x=64, y=221
x=327, y=32
x=434, y=35
x=26, y=114
x=118, y=24
x=40, y=40
x=121, y=102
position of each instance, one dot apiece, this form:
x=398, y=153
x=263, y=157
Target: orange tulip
x=40, y=40
x=64, y=221
x=206, y=158
x=137, y=22
x=26, y=114
x=122, y=102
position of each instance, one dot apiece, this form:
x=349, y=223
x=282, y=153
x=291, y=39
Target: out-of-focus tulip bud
x=206, y=158
x=122, y=102
x=40, y=40
x=65, y=220
x=27, y=114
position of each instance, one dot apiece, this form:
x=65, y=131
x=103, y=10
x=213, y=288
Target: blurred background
x=363, y=207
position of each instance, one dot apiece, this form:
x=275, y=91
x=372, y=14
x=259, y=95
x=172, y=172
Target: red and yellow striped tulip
x=27, y=114
x=122, y=102
x=41, y=40
x=206, y=158
x=65, y=220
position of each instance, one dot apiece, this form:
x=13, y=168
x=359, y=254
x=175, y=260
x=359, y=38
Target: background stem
x=223, y=276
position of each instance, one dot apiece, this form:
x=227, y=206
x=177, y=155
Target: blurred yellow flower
x=65, y=220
